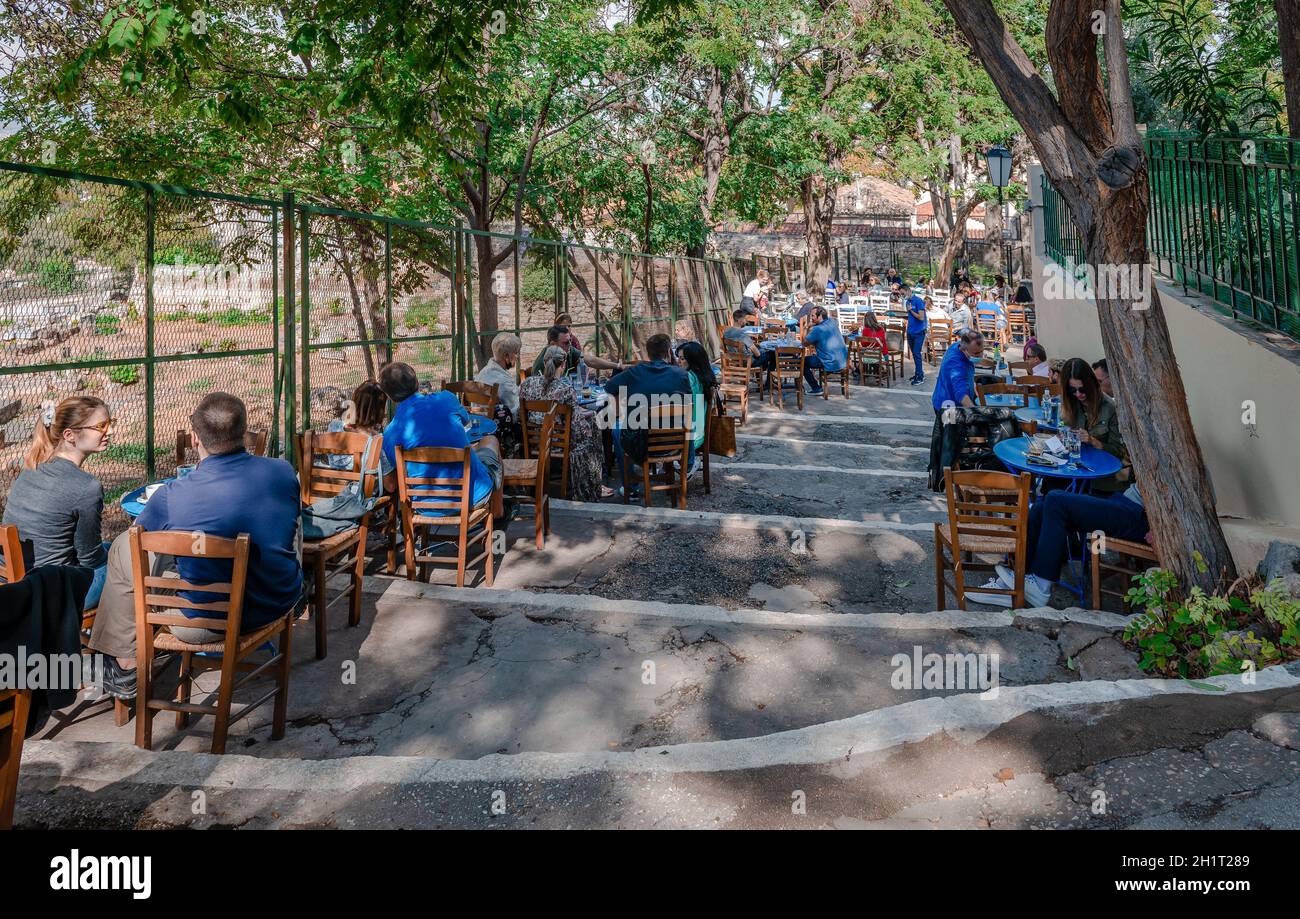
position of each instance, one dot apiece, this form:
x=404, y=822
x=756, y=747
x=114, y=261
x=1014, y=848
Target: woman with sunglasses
x=55, y=504
x=1091, y=413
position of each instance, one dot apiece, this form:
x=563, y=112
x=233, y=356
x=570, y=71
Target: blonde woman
x=586, y=451
x=54, y=502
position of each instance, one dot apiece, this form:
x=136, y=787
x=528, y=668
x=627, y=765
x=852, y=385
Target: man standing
x=917, y=326
x=559, y=335
x=228, y=493
x=832, y=355
x=753, y=290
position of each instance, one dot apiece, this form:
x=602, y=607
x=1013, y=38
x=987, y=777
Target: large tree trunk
x=1288, y=33
x=954, y=239
x=818, y=197
x=1090, y=148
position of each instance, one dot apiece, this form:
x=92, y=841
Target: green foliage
x=126, y=374
x=199, y=252
x=423, y=313
x=57, y=275
x=106, y=324
x=228, y=344
x=1200, y=634
x=538, y=283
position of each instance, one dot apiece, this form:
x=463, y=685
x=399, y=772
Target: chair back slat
x=14, y=707
x=984, y=505
x=12, y=566
x=478, y=398
x=255, y=440
x=320, y=480
x=195, y=545
x=430, y=493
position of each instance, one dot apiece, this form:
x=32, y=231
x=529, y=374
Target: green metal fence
x=150, y=296
x=1224, y=221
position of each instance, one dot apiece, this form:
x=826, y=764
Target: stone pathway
x=760, y=659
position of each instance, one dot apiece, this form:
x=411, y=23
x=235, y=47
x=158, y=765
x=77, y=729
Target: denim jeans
x=97, y=585
x=917, y=344
x=811, y=364
x=1057, y=514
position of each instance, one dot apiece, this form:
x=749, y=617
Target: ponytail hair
x=72, y=412
x=554, y=361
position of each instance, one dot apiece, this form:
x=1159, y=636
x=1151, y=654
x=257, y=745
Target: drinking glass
x=1076, y=449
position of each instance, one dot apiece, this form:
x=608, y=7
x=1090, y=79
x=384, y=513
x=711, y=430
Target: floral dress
x=586, y=449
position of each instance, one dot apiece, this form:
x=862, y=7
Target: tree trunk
x=1288, y=31
x=370, y=271
x=488, y=321
x=358, y=314
x=818, y=197
x=953, y=241
x=1089, y=147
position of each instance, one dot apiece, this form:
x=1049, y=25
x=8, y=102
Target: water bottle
x=1076, y=450
x=582, y=373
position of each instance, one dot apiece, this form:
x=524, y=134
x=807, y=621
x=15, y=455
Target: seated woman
x=586, y=449
x=1036, y=352
x=365, y=413
x=1091, y=413
x=871, y=328
x=500, y=370
x=704, y=392
x=54, y=502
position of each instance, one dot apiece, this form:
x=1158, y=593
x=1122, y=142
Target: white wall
x=1255, y=471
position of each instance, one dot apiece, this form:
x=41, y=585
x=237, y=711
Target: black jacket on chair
x=42, y=615
x=947, y=441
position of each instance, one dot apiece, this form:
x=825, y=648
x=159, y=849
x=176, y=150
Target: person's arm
x=959, y=384
x=601, y=364
x=88, y=539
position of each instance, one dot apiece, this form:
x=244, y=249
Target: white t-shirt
x=753, y=289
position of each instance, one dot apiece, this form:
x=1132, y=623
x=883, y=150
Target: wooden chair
x=872, y=362
x=1021, y=369
x=157, y=609
x=1131, y=554
x=981, y=527
x=343, y=552
x=986, y=320
x=531, y=474
x=667, y=445
x=788, y=364
x=254, y=443
x=478, y=398
x=937, y=340
x=895, y=342
x=561, y=437
x=1017, y=324
x=739, y=355
x=14, y=707
x=824, y=375
x=734, y=385
x=441, y=502
x=13, y=568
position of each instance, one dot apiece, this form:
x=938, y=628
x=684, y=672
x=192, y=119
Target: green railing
x=149, y=296
x=1224, y=222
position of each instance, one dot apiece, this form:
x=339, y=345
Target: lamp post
x=999, y=161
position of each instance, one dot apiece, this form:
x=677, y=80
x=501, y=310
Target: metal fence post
x=304, y=300
x=289, y=364
x=151, y=216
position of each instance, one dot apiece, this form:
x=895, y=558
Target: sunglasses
x=103, y=427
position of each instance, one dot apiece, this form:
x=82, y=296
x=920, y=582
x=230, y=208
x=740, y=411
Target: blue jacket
x=916, y=326
x=956, y=378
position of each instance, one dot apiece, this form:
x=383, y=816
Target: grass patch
x=423, y=314
x=107, y=325
x=125, y=374
x=201, y=385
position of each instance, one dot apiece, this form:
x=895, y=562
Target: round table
x=1037, y=417
x=480, y=427
x=1095, y=464
x=772, y=344
x=1008, y=400
x=131, y=502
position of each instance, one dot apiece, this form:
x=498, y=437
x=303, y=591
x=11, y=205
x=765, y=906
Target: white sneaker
x=991, y=599
x=1007, y=576
x=1037, y=591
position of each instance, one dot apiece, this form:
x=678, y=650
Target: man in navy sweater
x=229, y=492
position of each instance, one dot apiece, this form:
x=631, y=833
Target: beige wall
x=1256, y=473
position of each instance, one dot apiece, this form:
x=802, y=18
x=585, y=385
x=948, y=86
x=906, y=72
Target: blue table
x=772, y=344
x=1036, y=415
x=481, y=427
x=131, y=502
x=1008, y=400
x=1095, y=464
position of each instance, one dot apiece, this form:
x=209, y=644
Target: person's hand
x=1149, y=539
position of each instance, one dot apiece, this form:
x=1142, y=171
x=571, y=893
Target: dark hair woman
x=704, y=389
x=56, y=505
x=1091, y=413
x=365, y=413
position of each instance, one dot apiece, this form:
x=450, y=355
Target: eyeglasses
x=103, y=427
x=1078, y=391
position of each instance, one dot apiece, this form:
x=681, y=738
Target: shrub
x=126, y=374
x=234, y=316
x=1209, y=634
x=423, y=314
x=106, y=324
x=199, y=252
x=57, y=275
x=228, y=344
x=538, y=283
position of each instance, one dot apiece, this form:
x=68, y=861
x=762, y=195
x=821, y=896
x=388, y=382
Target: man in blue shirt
x=435, y=420
x=956, y=382
x=832, y=354
x=229, y=492
x=1000, y=320
x=917, y=325
x=639, y=388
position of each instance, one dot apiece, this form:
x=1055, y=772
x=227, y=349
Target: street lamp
x=999, y=160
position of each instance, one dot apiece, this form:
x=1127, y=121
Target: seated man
x=635, y=391
x=435, y=420
x=956, y=383
x=1052, y=519
x=228, y=493
x=832, y=354
x=559, y=335
x=739, y=319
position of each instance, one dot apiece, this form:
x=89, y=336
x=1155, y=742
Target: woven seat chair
x=981, y=527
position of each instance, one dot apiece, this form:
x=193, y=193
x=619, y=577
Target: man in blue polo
x=917, y=325
x=956, y=382
x=435, y=420
x=824, y=335
x=639, y=389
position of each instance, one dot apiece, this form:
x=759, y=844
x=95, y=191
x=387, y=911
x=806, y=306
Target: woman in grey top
x=55, y=504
